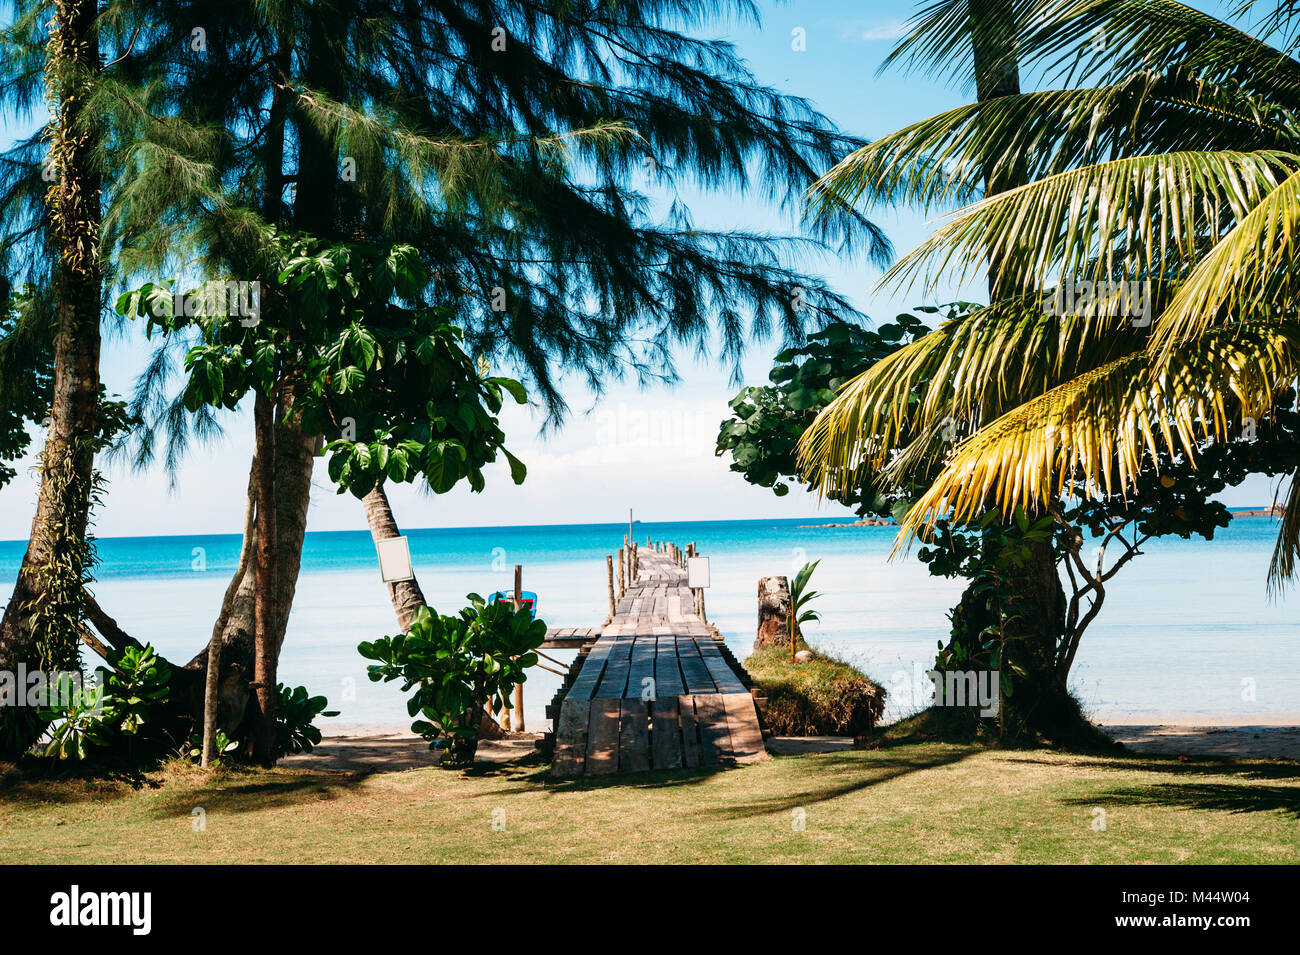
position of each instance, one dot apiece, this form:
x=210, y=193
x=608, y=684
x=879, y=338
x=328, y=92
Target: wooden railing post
x=609, y=567
x=519, y=687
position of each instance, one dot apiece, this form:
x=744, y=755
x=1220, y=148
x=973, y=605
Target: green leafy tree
x=762, y=435
x=387, y=385
x=1173, y=110
x=458, y=667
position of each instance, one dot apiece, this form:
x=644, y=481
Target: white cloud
x=881, y=30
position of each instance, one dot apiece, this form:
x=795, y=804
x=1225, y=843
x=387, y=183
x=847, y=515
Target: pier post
x=519, y=687
x=609, y=566
x=622, y=571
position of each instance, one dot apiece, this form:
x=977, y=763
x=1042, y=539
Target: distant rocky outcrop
x=1274, y=510
x=864, y=522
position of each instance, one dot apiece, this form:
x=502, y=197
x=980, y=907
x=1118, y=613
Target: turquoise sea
x=1187, y=629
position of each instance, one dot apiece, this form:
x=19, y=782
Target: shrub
x=295, y=715
x=823, y=697
x=194, y=748
x=458, y=666
x=117, y=711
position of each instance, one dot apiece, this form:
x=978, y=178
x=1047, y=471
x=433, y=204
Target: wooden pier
x=657, y=689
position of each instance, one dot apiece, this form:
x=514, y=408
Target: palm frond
x=1104, y=422
x=1094, y=42
x=1137, y=216
x=1281, y=567
x=943, y=160
x=1249, y=271
x=968, y=371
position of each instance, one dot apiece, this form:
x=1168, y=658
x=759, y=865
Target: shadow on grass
x=1187, y=766
x=842, y=774
x=41, y=782
x=1222, y=797
x=541, y=778
x=229, y=794
x=880, y=766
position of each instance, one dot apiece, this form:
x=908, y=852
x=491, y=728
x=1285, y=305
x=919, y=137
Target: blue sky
x=647, y=449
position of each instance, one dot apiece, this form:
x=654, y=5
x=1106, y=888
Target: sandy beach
x=392, y=747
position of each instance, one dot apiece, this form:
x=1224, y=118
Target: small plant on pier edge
x=460, y=667
x=801, y=597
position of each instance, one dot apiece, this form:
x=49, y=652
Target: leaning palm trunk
x=406, y=595
x=42, y=620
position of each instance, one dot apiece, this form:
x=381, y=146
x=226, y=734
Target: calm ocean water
x=1186, y=629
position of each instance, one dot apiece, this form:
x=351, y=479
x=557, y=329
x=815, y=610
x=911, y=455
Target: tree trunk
x=1032, y=599
x=266, y=648
x=295, y=458
x=42, y=620
x=406, y=595
x=774, y=613
x=212, y=679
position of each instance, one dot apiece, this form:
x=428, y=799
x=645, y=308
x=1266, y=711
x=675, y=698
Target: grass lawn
x=914, y=803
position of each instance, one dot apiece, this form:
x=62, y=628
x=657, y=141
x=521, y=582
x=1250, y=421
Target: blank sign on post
x=697, y=572
x=394, y=559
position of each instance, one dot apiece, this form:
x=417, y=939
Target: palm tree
x=1167, y=154
x=800, y=598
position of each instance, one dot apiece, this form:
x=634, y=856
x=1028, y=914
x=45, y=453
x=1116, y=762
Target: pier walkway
x=657, y=689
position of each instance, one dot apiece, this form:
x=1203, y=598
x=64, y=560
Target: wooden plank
x=694, y=670
x=602, y=737
x=666, y=734
x=719, y=669
x=690, y=731
x=641, y=673
x=668, y=674
x=634, y=737
x=592, y=669
x=564, y=643
x=715, y=737
x=614, y=682
x=571, y=738
x=742, y=722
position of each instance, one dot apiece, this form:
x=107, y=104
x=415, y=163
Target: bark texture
x=41, y=622
x=774, y=613
x=1032, y=599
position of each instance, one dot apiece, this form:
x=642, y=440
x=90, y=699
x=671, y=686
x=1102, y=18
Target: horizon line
x=839, y=519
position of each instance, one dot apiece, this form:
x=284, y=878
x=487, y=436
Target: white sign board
x=697, y=572
x=394, y=559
